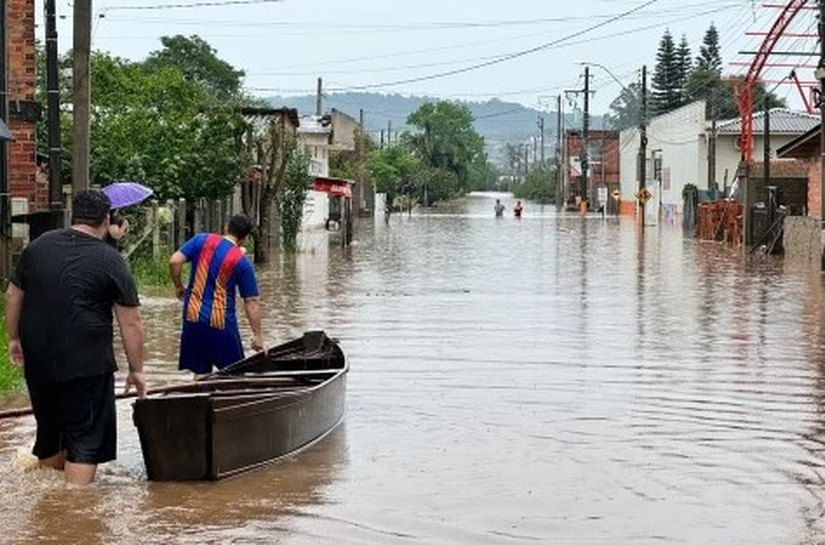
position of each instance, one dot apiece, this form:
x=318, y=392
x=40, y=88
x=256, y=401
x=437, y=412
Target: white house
x=314, y=134
x=676, y=147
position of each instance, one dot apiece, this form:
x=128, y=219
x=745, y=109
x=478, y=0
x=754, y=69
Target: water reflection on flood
x=548, y=380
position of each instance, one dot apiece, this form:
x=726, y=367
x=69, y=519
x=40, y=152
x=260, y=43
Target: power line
x=314, y=26
x=510, y=56
x=507, y=57
x=189, y=5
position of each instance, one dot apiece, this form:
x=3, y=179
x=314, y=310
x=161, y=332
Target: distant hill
x=499, y=122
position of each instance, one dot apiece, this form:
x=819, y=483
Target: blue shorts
x=203, y=347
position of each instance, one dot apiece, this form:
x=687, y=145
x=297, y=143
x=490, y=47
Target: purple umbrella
x=123, y=194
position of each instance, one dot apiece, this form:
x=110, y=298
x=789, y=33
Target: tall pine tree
x=665, y=84
x=709, y=56
x=705, y=82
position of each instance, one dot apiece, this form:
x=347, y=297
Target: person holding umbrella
x=122, y=195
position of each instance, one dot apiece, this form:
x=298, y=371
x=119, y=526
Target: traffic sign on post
x=644, y=195
x=616, y=194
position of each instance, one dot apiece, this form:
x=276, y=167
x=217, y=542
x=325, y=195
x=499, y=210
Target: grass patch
x=11, y=376
x=149, y=272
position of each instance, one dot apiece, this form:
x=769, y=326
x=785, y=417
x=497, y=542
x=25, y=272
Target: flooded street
x=545, y=380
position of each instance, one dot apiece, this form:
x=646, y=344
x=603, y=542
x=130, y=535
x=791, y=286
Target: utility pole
x=766, y=156
x=712, y=185
x=81, y=102
x=559, y=155
x=585, y=159
x=526, y=161
x=820, y=74
x=541, y=137
x=643, y=144
x=766, y=144
x=318, y=95
x=53, y=108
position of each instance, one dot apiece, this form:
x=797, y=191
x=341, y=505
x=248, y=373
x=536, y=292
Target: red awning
x=333, y=186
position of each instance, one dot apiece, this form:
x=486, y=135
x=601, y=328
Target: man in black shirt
x=59, y=322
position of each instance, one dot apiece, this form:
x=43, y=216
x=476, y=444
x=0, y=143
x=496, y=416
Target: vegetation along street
x=381, y=273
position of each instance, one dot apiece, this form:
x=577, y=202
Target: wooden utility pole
x=541, y=137
x=712, y=185
x=585, y=159
x=642, y=175
x=81, y=103
x=766, y=142
x=53, y=108
x=526, y=161
x=318, y=96
x=559, y=155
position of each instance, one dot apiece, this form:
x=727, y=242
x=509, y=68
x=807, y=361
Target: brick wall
x=23, y=181
x=604, y=165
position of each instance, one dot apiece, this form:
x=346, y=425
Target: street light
x=603, y=67
x=642, y=118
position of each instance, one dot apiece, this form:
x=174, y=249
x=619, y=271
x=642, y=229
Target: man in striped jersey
x=210, y=335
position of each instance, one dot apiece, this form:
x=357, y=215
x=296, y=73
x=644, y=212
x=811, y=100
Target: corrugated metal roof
x=783, y=121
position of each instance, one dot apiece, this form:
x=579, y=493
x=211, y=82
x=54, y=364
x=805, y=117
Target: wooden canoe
x=246, y=415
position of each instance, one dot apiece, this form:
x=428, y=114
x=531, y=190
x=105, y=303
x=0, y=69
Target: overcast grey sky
x=404, y=47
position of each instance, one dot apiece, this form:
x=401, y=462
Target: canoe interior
x=245, y=415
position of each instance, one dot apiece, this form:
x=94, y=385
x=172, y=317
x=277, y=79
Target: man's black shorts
x=77, y=416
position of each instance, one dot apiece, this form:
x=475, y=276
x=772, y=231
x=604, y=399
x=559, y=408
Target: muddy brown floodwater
x=549, y=380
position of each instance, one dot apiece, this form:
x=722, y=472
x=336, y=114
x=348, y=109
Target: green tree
x=198, y=61
x=293, y=193
x=431, y=184
x=444, y=139
x=392, y=169
x=666, y=91
x=153, y=125
x=539, y=185
x=727, y=106
x=483, y=175
x=626, y=108
x=709, y=55
x=706, y=82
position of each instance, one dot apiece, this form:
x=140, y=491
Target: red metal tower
x=745, y=90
